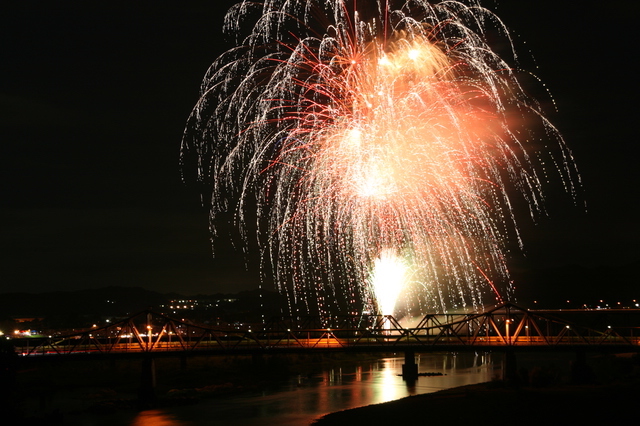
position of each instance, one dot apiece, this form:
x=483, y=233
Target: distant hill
x=550, y=288
x=117, y=301
x=73, y=309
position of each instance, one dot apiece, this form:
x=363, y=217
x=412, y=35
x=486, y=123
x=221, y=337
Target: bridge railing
x=505, y=325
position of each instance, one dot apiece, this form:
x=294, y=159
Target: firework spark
x=367, y=136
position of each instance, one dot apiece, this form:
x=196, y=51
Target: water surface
x=301, y=399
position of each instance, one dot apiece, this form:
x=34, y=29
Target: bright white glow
x=389, y=276
x=384, y=61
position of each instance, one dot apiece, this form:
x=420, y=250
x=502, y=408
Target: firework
x=369, y=146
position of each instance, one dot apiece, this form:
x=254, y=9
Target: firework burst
x=370, y=140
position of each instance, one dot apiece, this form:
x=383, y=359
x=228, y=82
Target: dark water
x=301, y=399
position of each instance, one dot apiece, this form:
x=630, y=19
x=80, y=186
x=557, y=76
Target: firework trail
x=371, y=139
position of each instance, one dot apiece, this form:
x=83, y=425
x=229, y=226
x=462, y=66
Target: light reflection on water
x=302, y=399
x=389, y=387
x=155, y=418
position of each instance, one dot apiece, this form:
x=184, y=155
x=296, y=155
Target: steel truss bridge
x=505, y=327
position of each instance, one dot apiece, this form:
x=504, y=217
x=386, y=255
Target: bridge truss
x=505, y=326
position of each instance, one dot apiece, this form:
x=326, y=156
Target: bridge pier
x=409, y=368
x=183, y=362
x=147, y=391
x=510, y=369
x=257, y=360
x=581, y=373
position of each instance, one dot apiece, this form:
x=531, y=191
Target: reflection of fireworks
x=352, y=132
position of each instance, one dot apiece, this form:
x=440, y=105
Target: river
x=301, y=399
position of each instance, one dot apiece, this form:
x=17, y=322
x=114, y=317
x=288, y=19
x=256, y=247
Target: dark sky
x=94, y=97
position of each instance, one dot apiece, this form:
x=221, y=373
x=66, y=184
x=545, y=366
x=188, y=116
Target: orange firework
x=377, y=143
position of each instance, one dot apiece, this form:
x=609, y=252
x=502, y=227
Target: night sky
x=93, y=101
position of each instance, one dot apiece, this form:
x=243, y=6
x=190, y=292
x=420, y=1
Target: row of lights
x=603, y=305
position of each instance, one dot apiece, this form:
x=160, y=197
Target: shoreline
x=486, y=403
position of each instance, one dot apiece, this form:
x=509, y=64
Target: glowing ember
x=352, y=131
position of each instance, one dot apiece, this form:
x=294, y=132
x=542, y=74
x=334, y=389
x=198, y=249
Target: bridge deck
x=506, y=326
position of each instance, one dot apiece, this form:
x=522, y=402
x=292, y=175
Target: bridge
x=506, y=326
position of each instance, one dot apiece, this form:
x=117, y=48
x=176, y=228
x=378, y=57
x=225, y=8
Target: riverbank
x=491, y=403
